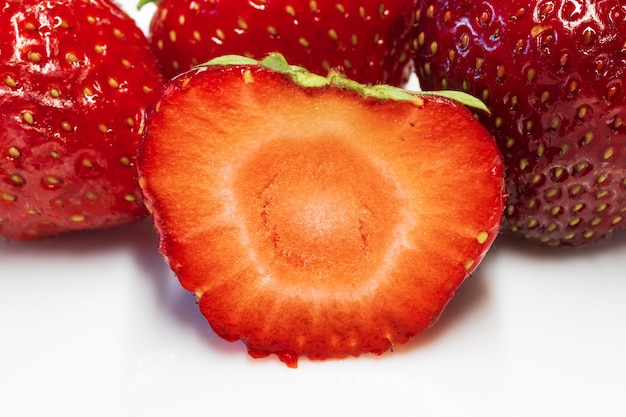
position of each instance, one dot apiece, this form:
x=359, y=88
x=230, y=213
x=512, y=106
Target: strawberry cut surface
x=315, y=221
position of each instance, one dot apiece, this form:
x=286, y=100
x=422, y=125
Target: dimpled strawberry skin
x=369, y=39
x=76, y=78
x=552, y=74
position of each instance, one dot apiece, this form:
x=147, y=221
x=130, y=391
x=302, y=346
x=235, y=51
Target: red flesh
x=314, y=222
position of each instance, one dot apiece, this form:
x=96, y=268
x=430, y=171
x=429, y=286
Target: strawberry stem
x=336, y=78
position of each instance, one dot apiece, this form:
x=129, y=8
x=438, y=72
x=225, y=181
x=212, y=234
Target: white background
x=95, y=324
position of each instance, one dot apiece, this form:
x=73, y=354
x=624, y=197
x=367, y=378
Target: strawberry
x=76, y=77
x=552, y=74
x=369, y=39
x=314, y=216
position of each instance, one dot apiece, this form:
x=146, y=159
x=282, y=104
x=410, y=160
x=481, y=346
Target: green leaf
x=225, y=60
x=463, y=98
x=144, y=2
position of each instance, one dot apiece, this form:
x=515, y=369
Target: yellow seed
x=126, y=63
x=588, y=234
x=8, y=197
x=71, y=57
x=581, y=166
x=602, y=177
x=87, y=163
x=340, y=8
x=552, y=192
x=434, y=47
x=469, y=264
x=577, y=207
x=272, y=31
x=248, y=78
x=602, y=193
x=172, y=35
x=557, y=173
x=77, y=218
x=102, y=128
x=303, y=42
x=54, y=92
x=10, y=81
x=601, y=208
x=54, y=154
x=113, y=83
x=569, y=236
x=556, y=210
x=574, y=222
x=290, y=10
x=510, y=209
x=608, y=153
x=354, y=39
x=16, y=178
x=88, y=92
x=482, y=237
x=67, y=126
x=545, y=96
x=551, y=227
x=34, y=56
x=541, y=149
x=596, y=221
x=532, y=223
x=90, y=195
x=220, y=34
x=616, y=220
x=523, y=164
x=125, y=161
x=510, y=142
x=28, y=117
x=118, y=33
x=332, y=34
x=575, y=189
x=129, y=197
x=313, y=6
x=52, y=180
x=500, y=71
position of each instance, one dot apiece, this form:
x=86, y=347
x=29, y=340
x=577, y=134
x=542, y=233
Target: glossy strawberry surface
x=552, y=73
x=76, y=77
x=320, y=220
x=369, y=39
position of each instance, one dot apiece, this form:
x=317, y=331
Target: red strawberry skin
x=552, y=74
x=369, y=39
x=76, y=78
x=312, y=221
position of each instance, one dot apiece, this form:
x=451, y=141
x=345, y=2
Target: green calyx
x=336, y=78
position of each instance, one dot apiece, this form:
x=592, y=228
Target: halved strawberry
x=369, y=39
x=313, y=215
x=76, y=77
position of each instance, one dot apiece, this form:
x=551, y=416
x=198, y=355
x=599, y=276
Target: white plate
x=95, y=324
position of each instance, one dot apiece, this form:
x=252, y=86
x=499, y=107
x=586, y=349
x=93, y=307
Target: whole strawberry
x=76, y=77
x=553, y=75
x=369, y=39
